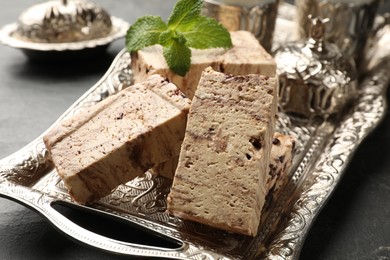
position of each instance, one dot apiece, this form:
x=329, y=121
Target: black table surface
x=353, y=225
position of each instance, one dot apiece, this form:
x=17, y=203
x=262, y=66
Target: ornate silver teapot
x=316, y=79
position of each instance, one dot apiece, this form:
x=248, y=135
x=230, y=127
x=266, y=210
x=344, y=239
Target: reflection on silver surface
x=323, y=152
x=258, y=19
x=378, y=47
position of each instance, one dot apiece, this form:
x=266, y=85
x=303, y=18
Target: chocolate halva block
x=282, y=152
x=223, y=169
x=246, y=56
x=119, y=138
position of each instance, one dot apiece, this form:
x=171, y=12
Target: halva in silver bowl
x=63, y=29
x=63, y=21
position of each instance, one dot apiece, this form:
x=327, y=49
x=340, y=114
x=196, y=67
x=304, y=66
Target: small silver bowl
x=63, y=29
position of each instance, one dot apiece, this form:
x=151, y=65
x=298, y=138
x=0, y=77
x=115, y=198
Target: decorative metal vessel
x=316, y=79
x=63, y=21
x=58, y=29
x=351, y=22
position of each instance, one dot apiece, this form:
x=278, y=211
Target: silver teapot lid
x=61, y=21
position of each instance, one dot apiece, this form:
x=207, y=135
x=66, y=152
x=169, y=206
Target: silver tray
x=323, y=153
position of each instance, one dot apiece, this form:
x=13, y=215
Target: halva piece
x=223, y=168
x=246, y=56
x=119, y=138
x=282, y=152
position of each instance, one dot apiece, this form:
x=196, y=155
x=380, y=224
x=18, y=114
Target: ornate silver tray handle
x=323, y=152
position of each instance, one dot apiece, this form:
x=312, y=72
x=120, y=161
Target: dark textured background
x=353, y=225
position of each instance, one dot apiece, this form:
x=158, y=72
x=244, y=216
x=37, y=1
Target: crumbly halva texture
x=282, y=152
x=119, y=138
x=222, y=174
x=246, y=56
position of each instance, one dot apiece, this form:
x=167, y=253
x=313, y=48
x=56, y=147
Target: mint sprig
x=186, y=28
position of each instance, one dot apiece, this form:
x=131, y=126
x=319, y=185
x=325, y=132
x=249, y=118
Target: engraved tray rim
x=287, y=238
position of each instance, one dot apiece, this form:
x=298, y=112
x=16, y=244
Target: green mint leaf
x=185, y=12
x=185, y=29
x=178, y=57
x=144, y=32
x=168, y=37
x=207, y=33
